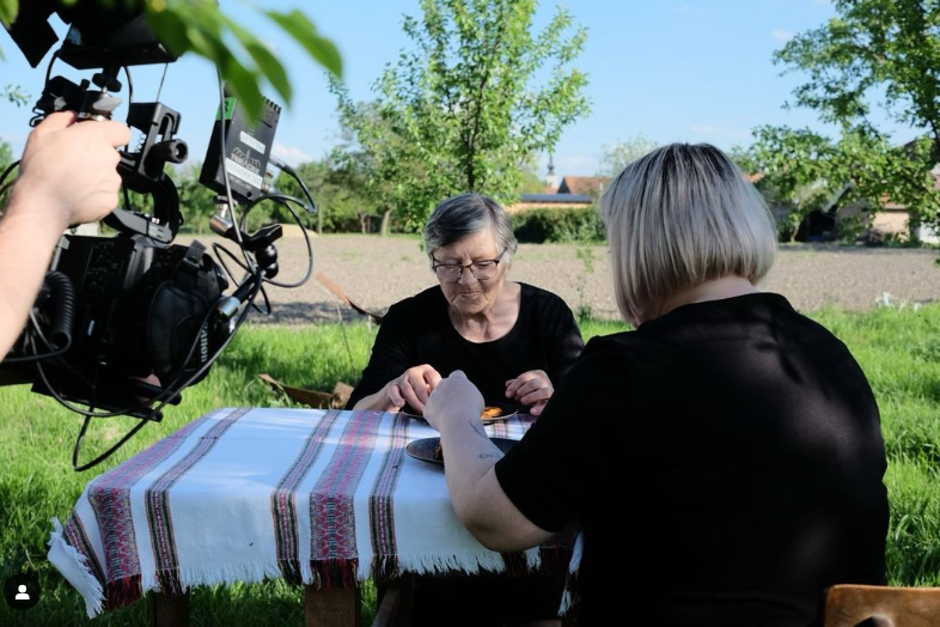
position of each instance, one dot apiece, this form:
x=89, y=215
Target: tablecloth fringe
x=571, y=597
x=74, y=567
x=468, y=562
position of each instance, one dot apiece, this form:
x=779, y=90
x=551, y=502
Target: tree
x=892, y=45
x=615, y=158
x=337, y=185
x=802, y=171
x=200, y=27
x=462, y=110
x=197, y=202
x=872, y=45
x=6, y=158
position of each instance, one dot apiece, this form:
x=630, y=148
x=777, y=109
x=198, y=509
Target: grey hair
x=460, y=216
x=680, y=216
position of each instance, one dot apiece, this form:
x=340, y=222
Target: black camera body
x=137, y=309
x=124, y=323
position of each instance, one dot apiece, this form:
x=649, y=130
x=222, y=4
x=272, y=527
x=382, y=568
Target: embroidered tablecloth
x=315, y=497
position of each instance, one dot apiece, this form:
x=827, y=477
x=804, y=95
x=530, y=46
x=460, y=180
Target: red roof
x=591, y=185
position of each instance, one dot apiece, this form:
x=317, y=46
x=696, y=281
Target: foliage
x=14, y=94
x=804, y=171
x=197, y=202
x=618, y=156
x=874, y=47
x=338, y=186
x=552, y=224
x=461, y=111
x=529, y=180
x=200, y=27
x=6, y=159
x=871, y=45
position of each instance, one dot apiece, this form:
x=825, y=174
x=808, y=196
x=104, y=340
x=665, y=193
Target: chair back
x=851, y=605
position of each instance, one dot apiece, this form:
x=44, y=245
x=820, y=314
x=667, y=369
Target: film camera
x=124, y=323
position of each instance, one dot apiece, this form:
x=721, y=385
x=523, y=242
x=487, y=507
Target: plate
x=423, y=449
x=507, y=411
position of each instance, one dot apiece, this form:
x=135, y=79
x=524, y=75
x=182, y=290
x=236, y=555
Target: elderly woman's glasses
x=482, y=269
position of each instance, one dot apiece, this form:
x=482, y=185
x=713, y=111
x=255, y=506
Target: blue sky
x=673, y=70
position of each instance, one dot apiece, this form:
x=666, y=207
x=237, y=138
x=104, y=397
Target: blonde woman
x=725, y=459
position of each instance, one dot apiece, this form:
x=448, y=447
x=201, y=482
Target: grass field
x=899, y=349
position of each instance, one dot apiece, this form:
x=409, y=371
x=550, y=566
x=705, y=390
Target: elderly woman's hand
x=454, y=394
x=531, y=388
x=413, y=387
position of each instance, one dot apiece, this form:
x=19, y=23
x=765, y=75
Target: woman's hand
x=531, y=388
x=413, y=387
x=455, y=394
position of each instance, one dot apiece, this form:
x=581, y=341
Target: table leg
x=169, y=611
x=336, y=607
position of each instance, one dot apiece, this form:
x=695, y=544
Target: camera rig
x=124, y=323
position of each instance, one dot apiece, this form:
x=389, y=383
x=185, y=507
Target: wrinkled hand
x=69, y=170
x=454, y=394
x=531, y=388
x=413, y=387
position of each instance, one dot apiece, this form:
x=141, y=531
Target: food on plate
x=491, y=412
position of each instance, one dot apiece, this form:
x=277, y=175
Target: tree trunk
x=385, y=229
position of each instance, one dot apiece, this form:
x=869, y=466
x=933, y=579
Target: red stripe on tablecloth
x=109, y=496
x=333, y=553
x=158, y=506
x=283, y=499
x=381, y=511
x=77, y=538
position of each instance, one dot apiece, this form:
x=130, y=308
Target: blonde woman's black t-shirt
x=725, y=462
x=418, y=331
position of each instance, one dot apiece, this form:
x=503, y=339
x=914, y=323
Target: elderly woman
x=724, y=459
x=514, y=341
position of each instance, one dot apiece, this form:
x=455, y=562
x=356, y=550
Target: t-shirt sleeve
x=554, y=471
x=391, y=353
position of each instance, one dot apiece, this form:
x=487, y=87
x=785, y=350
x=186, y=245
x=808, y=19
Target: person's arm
x=395, y=374
x=518, y=500
x=67, y=176
x=413, y=387
x=480, y=503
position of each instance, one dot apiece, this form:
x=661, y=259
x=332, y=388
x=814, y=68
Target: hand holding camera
x=69, y=170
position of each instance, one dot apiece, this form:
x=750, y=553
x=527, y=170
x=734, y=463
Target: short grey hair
x=460, y=216
x=680, y=216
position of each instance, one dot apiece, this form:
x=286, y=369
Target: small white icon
x=22, y=596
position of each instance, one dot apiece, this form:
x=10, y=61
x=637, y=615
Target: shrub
x=550, y=224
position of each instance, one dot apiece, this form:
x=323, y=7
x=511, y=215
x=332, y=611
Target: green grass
x=898, y=349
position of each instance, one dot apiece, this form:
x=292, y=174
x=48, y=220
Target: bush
x=550, y=224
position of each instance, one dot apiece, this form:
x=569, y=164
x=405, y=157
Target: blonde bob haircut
x=678, y=217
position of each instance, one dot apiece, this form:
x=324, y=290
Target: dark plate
x=423, y=449
x=508, y=411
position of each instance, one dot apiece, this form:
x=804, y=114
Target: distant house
x=583, y=185
x=574, y=192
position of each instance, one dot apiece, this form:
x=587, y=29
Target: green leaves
x=8, y=11
x=200, y=27
x=892, y=46
x=243, y=60
x=462, y=109
x=299, y=26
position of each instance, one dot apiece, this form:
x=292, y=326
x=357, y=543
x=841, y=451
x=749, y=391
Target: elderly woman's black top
x=725, y=461
x=418, y=331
